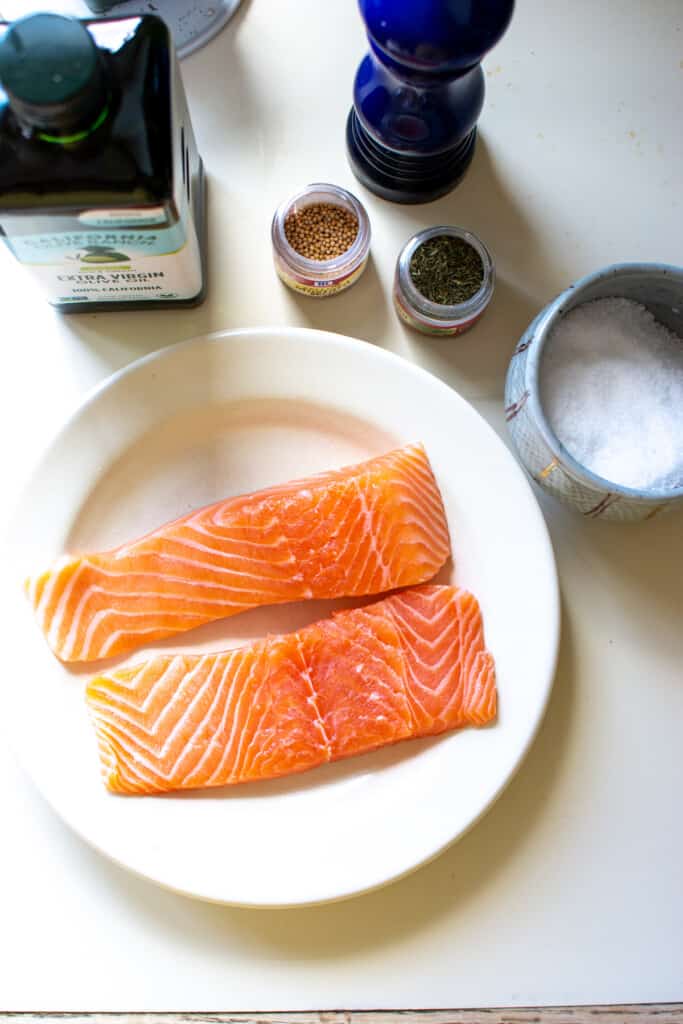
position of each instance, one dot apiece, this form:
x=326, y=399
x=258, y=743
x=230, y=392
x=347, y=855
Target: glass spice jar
x=320, y=277
x=435, y=317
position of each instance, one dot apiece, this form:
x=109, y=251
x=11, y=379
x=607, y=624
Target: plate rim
x=382, y=356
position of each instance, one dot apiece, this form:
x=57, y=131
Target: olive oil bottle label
x=113, y=264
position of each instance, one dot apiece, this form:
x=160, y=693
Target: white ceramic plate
x=227, y=414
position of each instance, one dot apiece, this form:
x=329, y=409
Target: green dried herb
x=447, y=270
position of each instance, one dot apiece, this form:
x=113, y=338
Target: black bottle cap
x=52, y=72
x=100, y=6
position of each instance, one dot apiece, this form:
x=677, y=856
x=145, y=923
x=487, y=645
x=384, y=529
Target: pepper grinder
x=419, y=92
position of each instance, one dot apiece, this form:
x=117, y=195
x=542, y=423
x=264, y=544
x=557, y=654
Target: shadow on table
x=495, y=203
x=476, y=362
x=528, y=273
x=640, y=564
x=363, y=311
x=649, y=568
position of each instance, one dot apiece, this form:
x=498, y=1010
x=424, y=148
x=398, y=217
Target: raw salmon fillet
x=412, y=664
x=360, y=530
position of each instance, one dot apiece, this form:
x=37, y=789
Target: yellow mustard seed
x=321, y=231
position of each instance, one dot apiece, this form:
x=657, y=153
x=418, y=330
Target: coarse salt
x=611, y=383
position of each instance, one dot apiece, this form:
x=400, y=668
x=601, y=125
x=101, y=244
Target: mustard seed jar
x=447, y=318
x=320, y=221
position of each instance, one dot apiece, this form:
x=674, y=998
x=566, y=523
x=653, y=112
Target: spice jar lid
x=422, y=311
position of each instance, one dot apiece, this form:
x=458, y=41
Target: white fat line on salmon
x=246, y=761
x=202, y=724
x=368, y=658
x=415, y=642
x=110, y=568
x=369, y=519
x=69, y=648
x=265, y=572
x=471, y=636
x=476, y=691
x=195, y=522
x=413, y=614
x=155, y=576
x=435, y=666
x=171, y=678
x=113, y=639
x=313, y=698
x=137, y=672
x=202, y=518
x=49, y=588
x=138, y=758
x=422, y=695
x=472, y=628
x=137, y=705
x=235, y=707
x=474, y=676
x=419, y=556
x=420, y=466
x=356, y=548
x=56, y=620
x=400, y=650
x=139, y=749
x=121, y=598
x=174, y=667
x=178, y=601
x=246, y=696
x=419, y=500
x=416, y=645
x=226, y=546
x=424, y=484
x=187, y=714
x=421, y=477
x=184, y=547
x=409, y=692
x=273, y=555
x=116, y=713
x=264, y=539
x=416, y=504
x=338, y=524
x=218, y=733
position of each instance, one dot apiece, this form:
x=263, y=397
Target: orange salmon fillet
x=413, y=664
x=360, y=530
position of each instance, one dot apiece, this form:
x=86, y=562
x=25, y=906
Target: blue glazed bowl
x=657, y=286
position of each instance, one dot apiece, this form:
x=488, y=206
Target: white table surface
x=570, y=890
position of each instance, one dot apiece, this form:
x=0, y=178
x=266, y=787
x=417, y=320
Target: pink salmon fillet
x=356, y=531
x=412, y=664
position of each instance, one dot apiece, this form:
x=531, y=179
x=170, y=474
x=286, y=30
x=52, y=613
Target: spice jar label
x=431, y=328
x=319, y=289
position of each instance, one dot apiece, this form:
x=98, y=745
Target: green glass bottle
x=101, y=185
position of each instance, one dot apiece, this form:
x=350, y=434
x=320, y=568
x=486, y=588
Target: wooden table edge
x=626, y=1013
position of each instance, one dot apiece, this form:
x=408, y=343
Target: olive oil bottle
x=101, y=184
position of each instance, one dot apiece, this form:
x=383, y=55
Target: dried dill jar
x=321, y=240
x=444, y=280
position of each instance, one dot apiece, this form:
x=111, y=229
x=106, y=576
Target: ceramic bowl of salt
x=594, y=393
